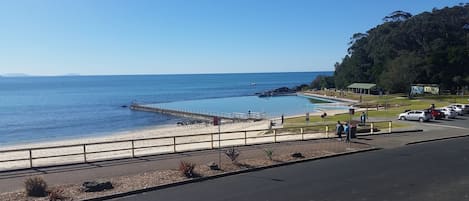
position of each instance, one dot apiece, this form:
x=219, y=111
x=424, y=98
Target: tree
x=428, y=48
x=397, y=16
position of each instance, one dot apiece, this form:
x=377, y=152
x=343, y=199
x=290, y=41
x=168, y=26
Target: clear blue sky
x=97, y=37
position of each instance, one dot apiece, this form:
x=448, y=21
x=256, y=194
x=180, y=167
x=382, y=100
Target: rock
x=213, y=166
x=297, y=155
x=94, y=186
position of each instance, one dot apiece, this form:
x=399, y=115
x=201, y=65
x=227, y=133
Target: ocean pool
x=270, y=107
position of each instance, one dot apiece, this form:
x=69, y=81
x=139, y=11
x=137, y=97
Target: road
x=429, y=171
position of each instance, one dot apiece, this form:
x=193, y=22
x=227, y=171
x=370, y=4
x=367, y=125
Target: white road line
x=446, y=126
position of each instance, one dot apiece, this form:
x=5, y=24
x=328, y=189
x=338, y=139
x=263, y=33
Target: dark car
x=437, y=114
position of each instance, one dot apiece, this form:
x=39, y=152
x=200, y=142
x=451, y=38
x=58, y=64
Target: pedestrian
x=282, y=119
x=347, y=132
x=339, y=128
x=363, y=118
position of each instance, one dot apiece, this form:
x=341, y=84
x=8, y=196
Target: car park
x=418, y=115
x=449, y=113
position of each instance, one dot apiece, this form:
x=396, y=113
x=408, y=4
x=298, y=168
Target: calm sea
x=34, y=109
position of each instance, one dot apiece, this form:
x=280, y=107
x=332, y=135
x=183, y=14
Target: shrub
x=57, y=194
x=269, y=153
x=187, y=169
x=35, y=186
x=233, y=154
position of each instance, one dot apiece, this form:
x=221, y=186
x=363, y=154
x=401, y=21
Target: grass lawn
x=396, y=104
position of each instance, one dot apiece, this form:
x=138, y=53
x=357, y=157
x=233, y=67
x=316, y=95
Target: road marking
x=446, y=126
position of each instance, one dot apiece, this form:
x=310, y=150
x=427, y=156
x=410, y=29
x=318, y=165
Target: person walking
x=339, y=128
x=363, y=118
x=347, y=132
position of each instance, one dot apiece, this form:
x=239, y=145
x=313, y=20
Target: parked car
x=464, y=108
x=449, y=113
x=418, y=115
x=437, y=114
x=458, y=110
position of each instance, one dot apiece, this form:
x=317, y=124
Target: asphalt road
x=429, y=171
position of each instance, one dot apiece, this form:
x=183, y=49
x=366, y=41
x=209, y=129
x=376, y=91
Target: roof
x=361, y=86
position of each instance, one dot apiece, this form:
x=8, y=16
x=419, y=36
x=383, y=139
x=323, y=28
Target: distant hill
x=14, y=75
x=428, y=48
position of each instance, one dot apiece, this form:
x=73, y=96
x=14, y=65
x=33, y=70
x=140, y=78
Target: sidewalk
x=76, y=174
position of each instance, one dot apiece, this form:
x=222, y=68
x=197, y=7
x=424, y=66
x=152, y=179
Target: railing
x=99, y=151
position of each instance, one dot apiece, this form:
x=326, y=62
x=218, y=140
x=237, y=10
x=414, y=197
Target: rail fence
x=15, y=159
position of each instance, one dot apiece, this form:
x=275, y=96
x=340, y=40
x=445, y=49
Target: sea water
x=34, y=109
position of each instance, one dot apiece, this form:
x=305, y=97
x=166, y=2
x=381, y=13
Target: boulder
x=297, y=155
x=94, y=186
x=213, y=166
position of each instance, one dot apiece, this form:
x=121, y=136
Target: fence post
x=174, y=144
x=302, y=134
x=211, y=135
x=245, y=138
x=371, y=127
x=327, y=131
x=275, y=136
x=30, y=158
x=390, y=126
x=133, y=149
x=84, y=153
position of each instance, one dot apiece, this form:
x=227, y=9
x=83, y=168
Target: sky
x=116, y=37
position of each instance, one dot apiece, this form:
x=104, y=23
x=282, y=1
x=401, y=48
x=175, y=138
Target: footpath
x=74, y=174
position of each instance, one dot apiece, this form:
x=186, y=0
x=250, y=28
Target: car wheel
x=421, y=119
x=402, y=118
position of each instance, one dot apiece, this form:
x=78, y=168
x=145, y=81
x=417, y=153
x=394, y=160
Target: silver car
x=449, y=113
x=417, y=115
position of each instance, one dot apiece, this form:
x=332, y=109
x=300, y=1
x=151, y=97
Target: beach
x=187, y=137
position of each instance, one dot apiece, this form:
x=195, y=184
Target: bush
x=57, y=194
x=269, y=153
x=187, y=169
x=35, y=186
x=233, y=154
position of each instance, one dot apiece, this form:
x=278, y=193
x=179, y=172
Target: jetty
x=225, y=117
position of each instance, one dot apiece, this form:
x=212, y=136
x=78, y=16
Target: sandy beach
x=171, y=138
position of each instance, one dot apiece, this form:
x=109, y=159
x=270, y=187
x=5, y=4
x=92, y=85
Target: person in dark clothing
x=339, y=129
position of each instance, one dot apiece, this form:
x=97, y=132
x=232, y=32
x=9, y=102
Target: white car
x=418, y=115
x=464, y=108
x=449, y=113
x=456, y=109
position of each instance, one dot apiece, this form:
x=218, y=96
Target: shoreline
x=170, y=130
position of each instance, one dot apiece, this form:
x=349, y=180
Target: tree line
x=428, y=48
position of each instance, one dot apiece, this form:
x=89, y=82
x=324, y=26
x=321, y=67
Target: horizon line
x=146, y=74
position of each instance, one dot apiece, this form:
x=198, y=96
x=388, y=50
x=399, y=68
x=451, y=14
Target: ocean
x=36, y=109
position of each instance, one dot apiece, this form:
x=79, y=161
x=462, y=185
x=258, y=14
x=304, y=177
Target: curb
x=439, y=139
x=164, y=186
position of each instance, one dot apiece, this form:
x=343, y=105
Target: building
x=361, y=88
